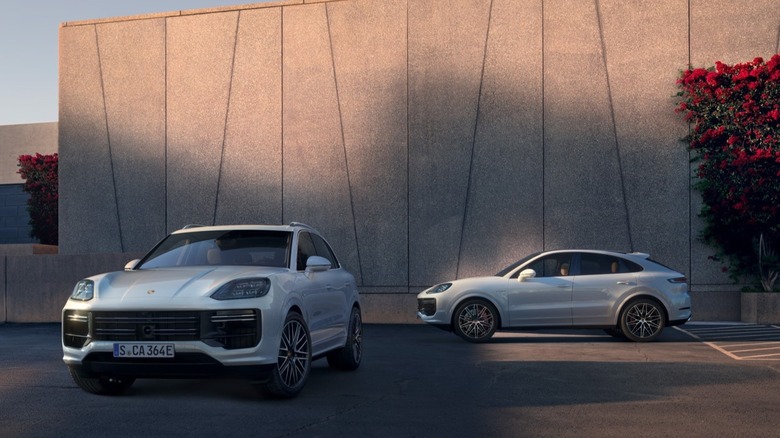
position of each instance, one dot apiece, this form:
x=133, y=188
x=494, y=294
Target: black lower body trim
x=184, y=366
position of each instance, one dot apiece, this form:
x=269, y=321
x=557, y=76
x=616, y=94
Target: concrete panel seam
x=108, y=140
x=777, y=40
x=343, y=141
x=473, y=142
x=690, y=197
x=689, y=33
x=227, y=112
x=165, y=123
x=408, y=156
x=281, y=112
x=614, y=123
x=544, y=164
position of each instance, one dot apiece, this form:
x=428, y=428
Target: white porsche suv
x=256, y=301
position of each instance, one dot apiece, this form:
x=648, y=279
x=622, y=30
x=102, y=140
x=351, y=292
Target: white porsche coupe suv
x=256, y=301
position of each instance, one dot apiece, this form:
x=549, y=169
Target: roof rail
x=188, y=226
x=301, y=224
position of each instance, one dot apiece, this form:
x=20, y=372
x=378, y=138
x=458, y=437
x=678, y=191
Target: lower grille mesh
x=229, y=329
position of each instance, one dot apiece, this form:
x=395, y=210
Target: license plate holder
x=146, y=350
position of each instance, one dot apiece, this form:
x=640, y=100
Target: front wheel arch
x=478, y=297
x=476, y=303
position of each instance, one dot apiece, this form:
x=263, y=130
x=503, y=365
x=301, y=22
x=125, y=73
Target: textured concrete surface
x=716, y=304
x=27, y=249
x=89, y=217
x=505, y=203
x=584, y=193
x=760, y=308
x=132, y=63
x=316, y=183
x=250, y=182
x=446, y=54
x=373, y=104
x=37, y=286
x=200, y=53
x=427, y=139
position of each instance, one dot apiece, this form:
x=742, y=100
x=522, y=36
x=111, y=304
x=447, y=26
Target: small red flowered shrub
x=40, y=181
x=735, y=136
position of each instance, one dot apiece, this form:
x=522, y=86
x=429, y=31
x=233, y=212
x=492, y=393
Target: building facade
x=428, y=139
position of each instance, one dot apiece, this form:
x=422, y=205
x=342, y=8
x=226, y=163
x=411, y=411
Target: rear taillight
x=677, y=280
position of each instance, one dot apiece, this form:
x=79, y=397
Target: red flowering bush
x=735, y=117
x=40, y=181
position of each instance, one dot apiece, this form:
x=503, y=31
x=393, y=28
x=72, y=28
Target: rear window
x=599, y=264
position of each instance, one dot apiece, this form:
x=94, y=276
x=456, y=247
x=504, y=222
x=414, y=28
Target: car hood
x=488, y=283
x=169, y=284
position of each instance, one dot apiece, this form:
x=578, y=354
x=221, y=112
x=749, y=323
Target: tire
x=642, y=320
x=348, y=358
x=475, y=320
x=292, y=369
x=102, y=385
x=615, y=332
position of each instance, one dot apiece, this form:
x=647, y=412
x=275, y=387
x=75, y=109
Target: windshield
x=514, y=265
x=221, y=248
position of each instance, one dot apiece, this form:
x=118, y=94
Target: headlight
x=84, y=290
x=439, y=289
x=245, y=288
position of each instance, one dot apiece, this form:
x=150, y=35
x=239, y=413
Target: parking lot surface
x=417, y=381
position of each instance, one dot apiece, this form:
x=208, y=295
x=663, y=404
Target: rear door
x=598, y=286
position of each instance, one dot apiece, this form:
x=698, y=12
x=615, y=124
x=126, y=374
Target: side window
x=595, y=264
x=554, y=265
x=305, y=249
x=323, y=250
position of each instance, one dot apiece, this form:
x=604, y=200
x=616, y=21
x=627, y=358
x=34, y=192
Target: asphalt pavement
x=418, y=381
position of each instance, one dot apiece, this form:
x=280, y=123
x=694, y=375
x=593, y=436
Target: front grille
x=146, y=326
x=426, y=306
x=229, y=329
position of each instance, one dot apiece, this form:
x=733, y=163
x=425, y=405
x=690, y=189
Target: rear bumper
x=679, y=321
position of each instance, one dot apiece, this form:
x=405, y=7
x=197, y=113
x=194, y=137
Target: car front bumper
x=205, y=342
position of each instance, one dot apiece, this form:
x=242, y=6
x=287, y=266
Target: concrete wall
x=35, y=287
x=427, y=139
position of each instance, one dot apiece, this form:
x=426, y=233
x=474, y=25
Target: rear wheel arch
x=640, y=296
x=642, y=318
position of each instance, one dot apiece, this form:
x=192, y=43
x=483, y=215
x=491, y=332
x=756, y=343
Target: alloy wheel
x=476, y=321
x=644, y=320
x=293, y=353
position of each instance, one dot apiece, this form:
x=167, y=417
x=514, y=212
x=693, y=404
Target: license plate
x=143, y=350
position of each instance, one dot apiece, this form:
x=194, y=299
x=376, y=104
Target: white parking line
x=739, y=342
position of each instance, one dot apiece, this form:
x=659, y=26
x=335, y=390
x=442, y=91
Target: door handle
x=626, y=283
